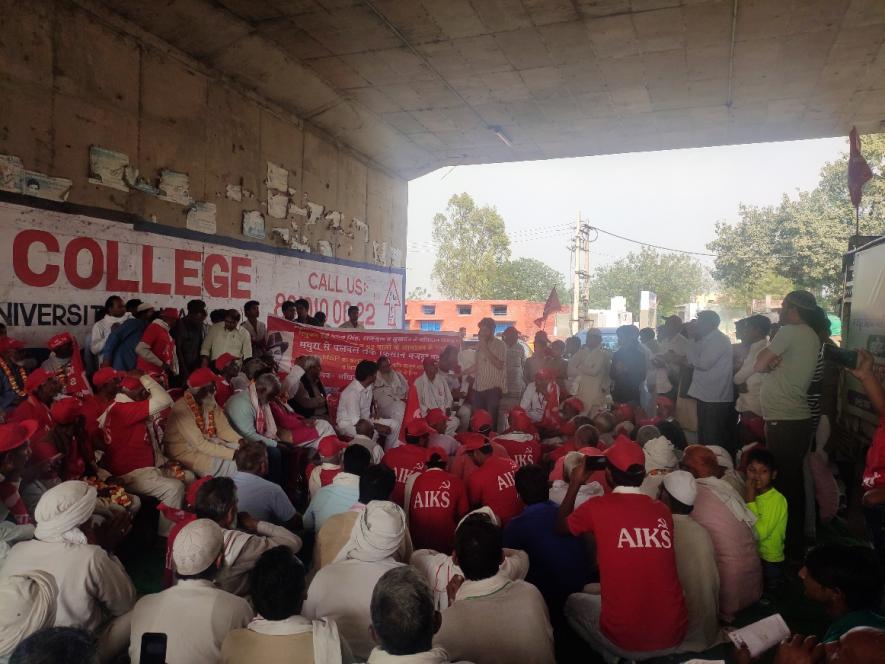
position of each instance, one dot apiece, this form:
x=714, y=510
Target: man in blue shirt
x=558, y=564
x=261, y=498
x=119, y=349
x=343, y=492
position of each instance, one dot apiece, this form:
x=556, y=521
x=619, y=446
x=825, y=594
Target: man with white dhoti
x=433, y=392
x=94, y=591
x=589, y=368
x=342, y=591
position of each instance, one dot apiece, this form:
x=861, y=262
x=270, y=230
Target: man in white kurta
x=94, y=590
x=433, y=392
x=355, y=404
x=194, y=614
x=590, y=369
x=343, y=590
x=390, y=391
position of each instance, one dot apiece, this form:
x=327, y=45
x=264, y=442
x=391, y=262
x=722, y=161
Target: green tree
x=675, y=278
x=418, y=293
x=526, y=279
x=768, y=283
x=802, y=239
x=472, y=247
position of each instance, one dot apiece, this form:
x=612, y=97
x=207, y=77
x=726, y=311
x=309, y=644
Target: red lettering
x=182, y=272
x=114, y=283
x=72, y=253
x=238, y=276
x=20, y=258
x=148, y=285
x=216, y=286
x=312, y=280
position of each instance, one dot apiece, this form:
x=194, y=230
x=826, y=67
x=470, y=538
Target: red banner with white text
x=341, y=349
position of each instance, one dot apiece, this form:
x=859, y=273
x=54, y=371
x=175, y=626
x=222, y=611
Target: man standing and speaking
x=488, y=370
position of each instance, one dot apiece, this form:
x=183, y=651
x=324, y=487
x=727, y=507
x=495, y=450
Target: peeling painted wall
x=70, y=83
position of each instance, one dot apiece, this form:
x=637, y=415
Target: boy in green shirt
x=770, y=506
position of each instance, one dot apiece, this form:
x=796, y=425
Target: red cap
x=8, y=343
x=667, y=402
x=430, y=360
x=440, y=452
x=480, y=419
x=16, y=434
x=201, y=378
x=130, y=383
x=625, y=453
x=418, y=427
x=473, y=441
x=223, y=360
x=190, y=496
x=575, y=403
x=625, y=412
x=41, y=451
x=105, y=375
x=36, y=378
x=65, y=411
x=435, y=416
x=520, y=420
x=60, y=340
x=169, y=312
x=330, y=446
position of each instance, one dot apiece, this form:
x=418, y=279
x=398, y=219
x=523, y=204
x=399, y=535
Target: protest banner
x=60, y=262
x=341, y=349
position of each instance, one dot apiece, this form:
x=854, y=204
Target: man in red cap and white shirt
x=329, y=449
x=639, y=611
x=433, y=392
x=133, y=446
x=42, y=387
x=409, y=459
x=435, y=501
x=66, y=364
x=12, y=373
x=493, y=483
x=156, y=350
x=198, y=434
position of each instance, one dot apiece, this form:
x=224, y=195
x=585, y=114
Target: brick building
x=451, y=315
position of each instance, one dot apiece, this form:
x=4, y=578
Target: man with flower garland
x=66, y=364
x=198, y=434
x=12, y=374
x=41, y=387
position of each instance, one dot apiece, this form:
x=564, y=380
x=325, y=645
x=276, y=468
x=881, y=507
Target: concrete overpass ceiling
x=419, y=84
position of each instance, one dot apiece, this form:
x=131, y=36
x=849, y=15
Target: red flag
x=858, y=169
x=551, y=306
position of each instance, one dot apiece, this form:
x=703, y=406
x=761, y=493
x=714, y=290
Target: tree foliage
x=418, y=293
x=473, y=257
x=675, y=278
x=802, y=239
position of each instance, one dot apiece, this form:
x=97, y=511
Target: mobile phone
x=153, y=648
x=841, y=356
x=594, y=462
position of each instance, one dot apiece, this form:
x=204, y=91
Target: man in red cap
x=15, y=452
x=66, y=363
x=156, y=352
x=329, y=448
x=68, y=435
x=229, y=367
x=133, y=446
x=12, y=373
x=640, y=610
x=493, y=483
x=198, y=434
x=410, y=458
x=433, y=392
x=520, y=441
x=107, y=384
x=434, y=501
x=343, y=492
x=462, y=465
x=438, y=421
x=541, y=399
x=42, y=388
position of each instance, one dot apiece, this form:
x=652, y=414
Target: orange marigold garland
x=197, y=411
x=17, y=384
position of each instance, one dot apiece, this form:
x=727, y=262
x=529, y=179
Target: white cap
x=681, y=485
x=144, y=306
x=197, y=546
x=660, y=455
x=723, y=456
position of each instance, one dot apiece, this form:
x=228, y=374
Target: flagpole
x=857, y=221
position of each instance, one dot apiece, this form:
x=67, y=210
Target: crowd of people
x=497, y=509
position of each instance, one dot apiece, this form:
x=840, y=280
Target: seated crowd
x=498, y=509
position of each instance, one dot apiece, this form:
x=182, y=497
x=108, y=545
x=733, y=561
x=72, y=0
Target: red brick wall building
x=451, y=315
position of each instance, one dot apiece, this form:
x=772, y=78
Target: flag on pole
x=551, y=306
x=859, y=172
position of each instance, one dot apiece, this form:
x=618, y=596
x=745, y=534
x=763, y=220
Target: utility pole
x=580, y=249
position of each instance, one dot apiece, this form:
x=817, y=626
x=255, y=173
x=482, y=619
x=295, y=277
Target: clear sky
x=671, y=198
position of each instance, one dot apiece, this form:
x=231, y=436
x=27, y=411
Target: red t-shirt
x=161, y=345
x=874, y=470
x=462, y=466
x=404, y=460
x=126, y=433
x=33, y=409
x=437, y=502
x=93, y=407
x=523, y=448
x=493, y=484
x=642, y=604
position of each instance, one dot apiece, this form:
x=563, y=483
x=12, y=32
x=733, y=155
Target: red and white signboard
x=341, y=349
x=58, y=268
